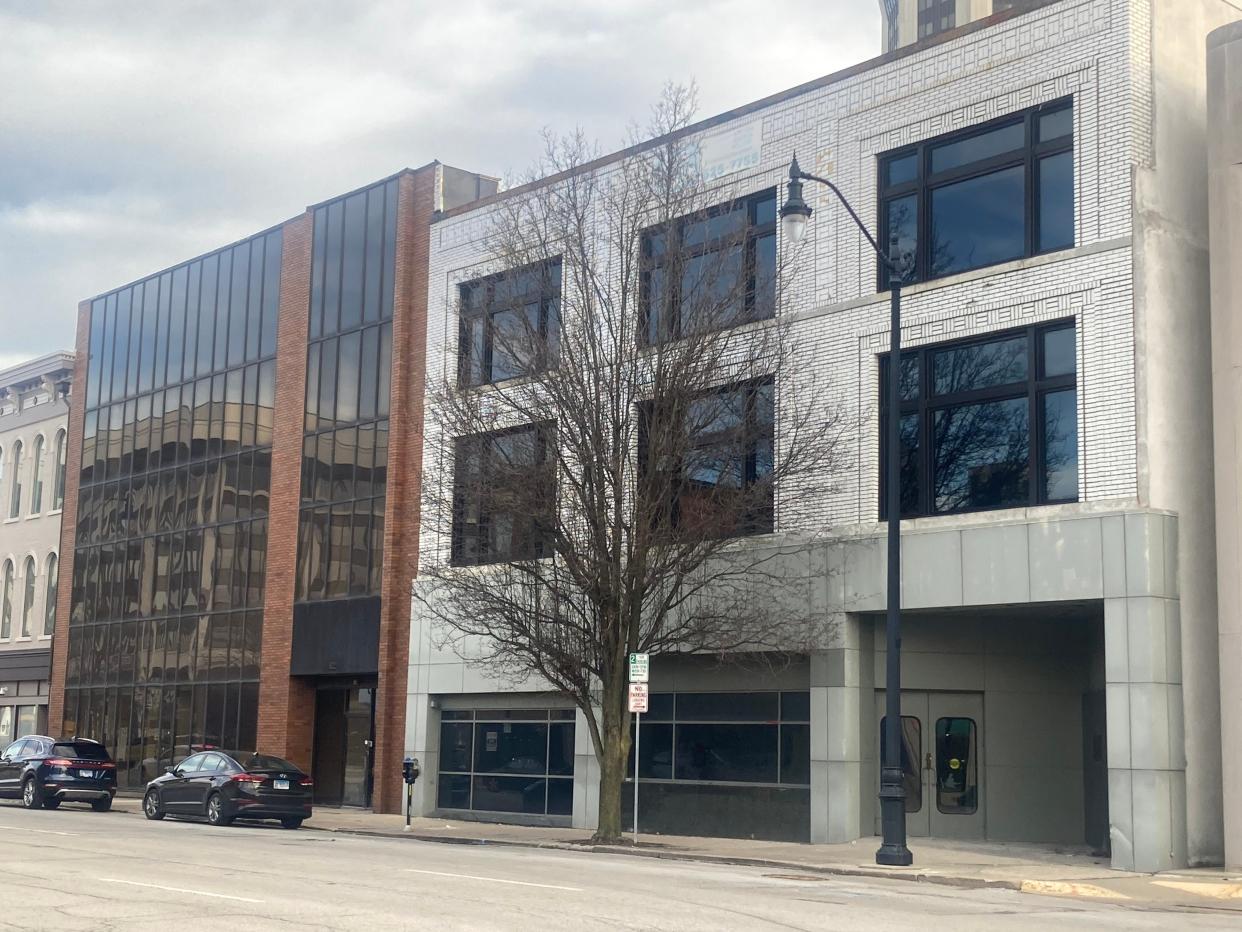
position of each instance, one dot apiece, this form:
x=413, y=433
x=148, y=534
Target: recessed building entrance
x=344, y=740
x=942, y=762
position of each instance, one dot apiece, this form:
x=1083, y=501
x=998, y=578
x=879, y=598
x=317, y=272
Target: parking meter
x=409, y=772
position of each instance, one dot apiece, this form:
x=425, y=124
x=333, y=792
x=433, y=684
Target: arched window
x=28, y=594
x=36, y=494
x=6, y=605
x=49, y=604
x=58, y=486
x=15, y=499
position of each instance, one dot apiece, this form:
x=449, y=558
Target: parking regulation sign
x=640, y=664
x=638, y=697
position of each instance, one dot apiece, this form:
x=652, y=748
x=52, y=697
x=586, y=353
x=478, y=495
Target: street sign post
x=640, y=667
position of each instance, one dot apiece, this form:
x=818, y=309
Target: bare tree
x=609, y=434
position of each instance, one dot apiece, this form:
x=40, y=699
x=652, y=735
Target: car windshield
x=80, y=750
x=250, y=761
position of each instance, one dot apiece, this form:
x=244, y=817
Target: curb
x=949, y=880
x=1046, y=887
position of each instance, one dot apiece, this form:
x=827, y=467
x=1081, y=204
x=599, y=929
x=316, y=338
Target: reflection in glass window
x=997, y=427
x=738, y=737
x=957, y=766
x=504, y=498
x=516, y=761
x=509, y=324
x=15, y=481
x=911, y=759
x=711, y=270
x=981, y=196
x=49, y=597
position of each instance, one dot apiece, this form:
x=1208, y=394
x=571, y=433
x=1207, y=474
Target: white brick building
x=1071, y=647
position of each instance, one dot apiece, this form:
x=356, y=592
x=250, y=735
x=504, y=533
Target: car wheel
x=215, y=811
x=51, y=804
x=291, y=823
x=102, y=805
x=151, y=807
x=32, y=796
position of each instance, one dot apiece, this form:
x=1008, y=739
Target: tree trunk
x=615, y=741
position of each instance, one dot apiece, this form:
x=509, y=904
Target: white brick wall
x=1096, y=51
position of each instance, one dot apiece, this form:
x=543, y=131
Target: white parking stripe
x=156, y=886
x=37, y=831
x=520, y=883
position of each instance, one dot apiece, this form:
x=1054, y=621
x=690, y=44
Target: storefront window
x=508, y=761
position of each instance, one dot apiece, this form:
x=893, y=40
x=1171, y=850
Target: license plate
x=88, y=774
x=280, y=784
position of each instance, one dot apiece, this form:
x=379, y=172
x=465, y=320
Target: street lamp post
x=794, y=216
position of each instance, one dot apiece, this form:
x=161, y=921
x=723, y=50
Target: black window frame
x=925, y=182
x=752, y=433
x=671, y=324
x=548, y=297
x=1034, y=387
x=539, y=539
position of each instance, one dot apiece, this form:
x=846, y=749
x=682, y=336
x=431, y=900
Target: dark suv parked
x=43, y=772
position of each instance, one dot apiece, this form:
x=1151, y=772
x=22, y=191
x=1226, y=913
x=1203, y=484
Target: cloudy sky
x=135, y=134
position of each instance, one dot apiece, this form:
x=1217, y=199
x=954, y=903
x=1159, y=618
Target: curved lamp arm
x=796, y=174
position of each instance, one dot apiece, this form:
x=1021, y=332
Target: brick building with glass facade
x=234, y=573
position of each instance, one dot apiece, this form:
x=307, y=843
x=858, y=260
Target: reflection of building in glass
x=236, y=577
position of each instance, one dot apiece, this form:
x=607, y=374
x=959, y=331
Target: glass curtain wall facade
x=169, y=568
x=348, y=371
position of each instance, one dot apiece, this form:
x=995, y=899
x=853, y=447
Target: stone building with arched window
x=34, y=413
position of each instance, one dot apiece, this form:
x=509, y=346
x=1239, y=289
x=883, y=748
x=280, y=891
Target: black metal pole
x=893, y=850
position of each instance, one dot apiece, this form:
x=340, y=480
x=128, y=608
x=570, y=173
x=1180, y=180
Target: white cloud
x=136, y=135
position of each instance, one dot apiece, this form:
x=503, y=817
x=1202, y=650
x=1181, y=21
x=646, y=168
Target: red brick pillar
x=415, y=203
x=69, y=523
x=286, y=704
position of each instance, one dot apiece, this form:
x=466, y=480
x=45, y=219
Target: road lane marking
x=156, y=886
x=37, y=831
x=520, y=883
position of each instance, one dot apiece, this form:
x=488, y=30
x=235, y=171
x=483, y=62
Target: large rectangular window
x=989, y=194
x=510, y=324
x=504, y=503
x=711, y=270
x=987, y=423
x=510, y=760
x=348, y=396
x=707, y=465
x=760, y=737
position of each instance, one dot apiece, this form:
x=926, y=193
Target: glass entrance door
x=942, y=762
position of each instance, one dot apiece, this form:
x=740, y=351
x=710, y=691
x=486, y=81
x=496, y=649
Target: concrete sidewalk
x=1024, y=867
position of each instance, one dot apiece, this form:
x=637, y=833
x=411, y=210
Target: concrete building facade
x=1224, y=160
x=1061, y=649
x=33, y=449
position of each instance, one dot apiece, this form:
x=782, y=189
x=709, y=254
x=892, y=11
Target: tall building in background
x=909, y=21
x=237, y=562
x=33, y=449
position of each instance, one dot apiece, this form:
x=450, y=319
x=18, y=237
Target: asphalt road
x=75, y=869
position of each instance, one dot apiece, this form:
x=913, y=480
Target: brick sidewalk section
x=1023, y=867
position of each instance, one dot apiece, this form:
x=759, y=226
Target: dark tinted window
x=710, y=270
x=994, y=424
x=80, y=750
x=981, y=196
